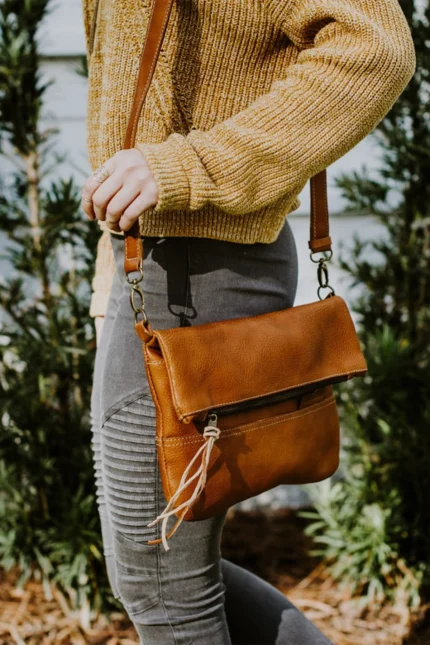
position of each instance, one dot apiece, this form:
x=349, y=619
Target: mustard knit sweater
x=250, y=98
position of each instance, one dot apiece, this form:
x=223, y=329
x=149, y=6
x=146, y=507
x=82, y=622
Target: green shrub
x=49, y=525
x=373, y=524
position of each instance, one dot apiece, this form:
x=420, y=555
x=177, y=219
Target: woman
x=249, y=99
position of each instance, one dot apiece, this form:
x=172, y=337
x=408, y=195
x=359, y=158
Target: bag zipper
x=273, y=398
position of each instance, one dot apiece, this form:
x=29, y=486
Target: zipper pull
x=211, y=429
x=212, y=420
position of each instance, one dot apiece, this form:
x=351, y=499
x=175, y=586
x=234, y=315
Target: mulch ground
x=272, y=546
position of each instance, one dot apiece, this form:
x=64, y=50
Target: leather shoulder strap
x=151, y=49
x=133, y=251
x=320, y=239
x=319, y=232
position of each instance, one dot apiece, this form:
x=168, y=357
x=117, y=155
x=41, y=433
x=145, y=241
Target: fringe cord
x=210, y=434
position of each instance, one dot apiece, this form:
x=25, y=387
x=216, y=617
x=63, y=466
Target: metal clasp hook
x=323, y=276
x=138, y=307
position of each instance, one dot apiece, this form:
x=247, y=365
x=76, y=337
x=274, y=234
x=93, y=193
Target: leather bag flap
x=234, y=361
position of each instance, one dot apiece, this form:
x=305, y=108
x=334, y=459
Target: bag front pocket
x=253, y=456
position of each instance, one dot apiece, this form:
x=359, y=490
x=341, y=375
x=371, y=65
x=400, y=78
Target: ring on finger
x=101, y=174
x=89, y=201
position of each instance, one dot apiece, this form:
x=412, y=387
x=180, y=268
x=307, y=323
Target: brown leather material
x=251, y=397
x=319, y=233
x=133, y=255
x=144, y=331
x=237, y=360
x=262, y=449
x=133, y=249
x=151, y=49
x=323, y=244
x=196, y=370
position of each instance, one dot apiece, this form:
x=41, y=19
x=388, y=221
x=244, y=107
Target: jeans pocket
x=137, y=573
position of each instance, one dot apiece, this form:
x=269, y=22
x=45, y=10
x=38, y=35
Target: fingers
x=116, y=206
x=90, y=187
x=143, y=201
x=87, y=206
x=124, y=195
x=105, y=192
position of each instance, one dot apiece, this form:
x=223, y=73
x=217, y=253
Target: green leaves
x=21, y=88
x=359, y=543
x=49, y=523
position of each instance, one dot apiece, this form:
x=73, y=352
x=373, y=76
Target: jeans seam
x=159, y=577
x=135, y=612
x=131, y=398
x=167, y=616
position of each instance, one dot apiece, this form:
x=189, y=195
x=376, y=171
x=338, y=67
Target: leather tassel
x=210, y=434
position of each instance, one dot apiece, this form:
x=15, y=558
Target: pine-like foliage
x=373, y=525
x=48, y=516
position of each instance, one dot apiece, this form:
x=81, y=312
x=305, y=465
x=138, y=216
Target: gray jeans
x=189, y=594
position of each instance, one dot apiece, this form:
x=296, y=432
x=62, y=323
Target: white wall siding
x=65, y=110
x=62, y=33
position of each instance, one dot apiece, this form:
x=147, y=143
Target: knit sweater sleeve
x=103, y=276
x=355, y=57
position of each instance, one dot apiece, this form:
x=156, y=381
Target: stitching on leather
x=159, y=419
x=173, y=389
x=154, y=61
x=187, y=414
x=314, y=218
x=325, y=204
x=182, y=415
x=140, y=102
x=129, y=242
x=225, y=434
x=137, y=113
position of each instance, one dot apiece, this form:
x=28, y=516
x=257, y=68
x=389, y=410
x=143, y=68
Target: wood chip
x=28, y=617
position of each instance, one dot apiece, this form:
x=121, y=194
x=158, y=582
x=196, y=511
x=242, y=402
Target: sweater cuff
x=168, y=164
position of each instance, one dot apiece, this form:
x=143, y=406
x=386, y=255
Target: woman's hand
x=124, y=195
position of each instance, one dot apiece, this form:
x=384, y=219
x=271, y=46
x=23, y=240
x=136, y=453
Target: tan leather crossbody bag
x=242, y=405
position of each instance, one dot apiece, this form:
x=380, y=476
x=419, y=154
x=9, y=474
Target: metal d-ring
x=327, y=286
x=134, y=280
x=325, y=258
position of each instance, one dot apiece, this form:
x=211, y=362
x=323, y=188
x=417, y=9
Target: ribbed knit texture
x=249, y=100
